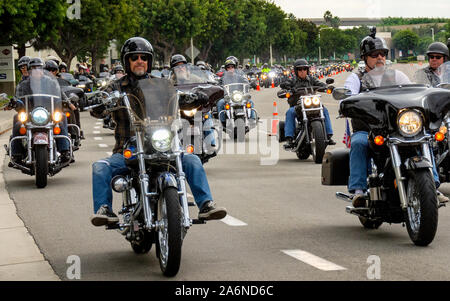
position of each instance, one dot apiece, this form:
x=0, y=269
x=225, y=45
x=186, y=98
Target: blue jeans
x=289, y=124
x=208, y=132
x=360, y=163
x=104, y=170
x=17, y=147
x=221, y=107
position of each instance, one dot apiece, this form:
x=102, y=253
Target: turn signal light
x=22, y=130
x=57, y=116
x=190, y=149
x=288, y=95
x=439, y=136
x=67, y=114
x=23, y=117
x=329, y=91
x=206, y=116
x=57, y=130
x=127, y=154
x=248, y=105
x=227, y=107
x=379, y=140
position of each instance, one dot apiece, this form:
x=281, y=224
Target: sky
x=304, y=9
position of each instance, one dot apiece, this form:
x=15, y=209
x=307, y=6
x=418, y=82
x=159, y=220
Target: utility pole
x=432, y=33
x=192, y=50
x=271, y=61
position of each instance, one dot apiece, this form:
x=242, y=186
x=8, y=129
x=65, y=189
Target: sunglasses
x=302, y=69
x=438, y=57
x=135, y=57
x=376, y=54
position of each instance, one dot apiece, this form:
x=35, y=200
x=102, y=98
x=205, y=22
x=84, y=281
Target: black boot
x=331, y=141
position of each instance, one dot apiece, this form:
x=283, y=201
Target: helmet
x=50, y=65
x=201, y=63
x=62, y=65
x=136, y=45
x=371, y=43
x=53, y=58
x=231, y=60
x=232, y=57
x=438, y=47
x=301, y=63
x=35, y=62
x=177, y=58
x=118, y=68
x=23, y=61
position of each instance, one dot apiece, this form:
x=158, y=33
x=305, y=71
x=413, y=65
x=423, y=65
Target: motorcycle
x=199, y=134
x=40, y=112
x=85, y=83
x=310, y=137
x=238, y=108
x=155, y=205
x=402, y=120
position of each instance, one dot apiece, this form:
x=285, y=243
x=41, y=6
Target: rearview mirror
x=329, y=81
x=341, y=93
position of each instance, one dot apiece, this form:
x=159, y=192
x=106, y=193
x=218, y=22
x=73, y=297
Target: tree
x=405, y=39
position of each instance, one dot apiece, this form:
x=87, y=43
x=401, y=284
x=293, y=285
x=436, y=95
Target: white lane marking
x=103, y=145
x=96, y=127
x=109, y=153
x=232, y=221
x=313, y=260
x=99, y=119
x=99, y=123
x=98, y=138
x=96, y=132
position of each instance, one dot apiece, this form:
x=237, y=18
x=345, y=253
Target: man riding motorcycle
x=438, y=54
x=137, y=58
x=302, y=80
x=373, y=51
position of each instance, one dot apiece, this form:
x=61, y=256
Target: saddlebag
x=336, y=167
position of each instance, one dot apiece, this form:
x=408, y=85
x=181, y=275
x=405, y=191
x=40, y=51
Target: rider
x=63, y=67
x=22, y=64
x=137, y=58
x=438, y=54
x=302, y=80
x=373, y=51
x=230, y=66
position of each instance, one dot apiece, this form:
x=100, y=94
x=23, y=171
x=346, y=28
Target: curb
x=20, y=257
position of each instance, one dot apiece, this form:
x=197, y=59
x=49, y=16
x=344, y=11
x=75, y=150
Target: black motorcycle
x=199, y=134
x=402, y=120
x=310, y=137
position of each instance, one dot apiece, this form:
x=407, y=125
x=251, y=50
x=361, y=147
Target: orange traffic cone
x=273, y=84
x=258, y=88
x=275, y=120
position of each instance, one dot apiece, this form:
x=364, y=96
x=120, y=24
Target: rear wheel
x=169, y=234
x=41, y=165
x=318, y=144
x=421, y=215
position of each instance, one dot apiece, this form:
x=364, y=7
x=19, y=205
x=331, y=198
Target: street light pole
x=320, y=58
x=432, y=33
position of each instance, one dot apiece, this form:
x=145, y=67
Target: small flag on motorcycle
x=347, y=134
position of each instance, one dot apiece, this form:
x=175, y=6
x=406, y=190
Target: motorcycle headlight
x=307, y=102
x=271, y=74
x=264, y=76
x=237, y=97
x=316, y=101
x=409, y=123
x=57, y=116
x=190, y=113
x=162, y=140
x=103, y=84
x=40, y=116
x=81, y=86
x=23, y=117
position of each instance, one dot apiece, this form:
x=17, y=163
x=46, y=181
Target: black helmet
x=136, y=45
x=177, y=58
x=24, y=60
x=118, y=68
x=35, y=62
x=438, y=47
x=62, y=65
x=231, y=60
x=50, y=65
x=371, y=43
x=301, y=63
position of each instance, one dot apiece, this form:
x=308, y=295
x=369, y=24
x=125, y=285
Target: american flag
x=347, y=134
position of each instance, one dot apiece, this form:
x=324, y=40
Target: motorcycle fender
x=40, y=138
x=167, y=180
x=417, y=162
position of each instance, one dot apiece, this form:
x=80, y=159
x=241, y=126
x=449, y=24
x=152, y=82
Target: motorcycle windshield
x=444, y=73
x=41, y=89
x=235, y=81
x=67, y=76
x=157, y=100
x=186, y=74
x=104, y=75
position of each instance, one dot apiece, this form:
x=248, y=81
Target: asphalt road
x=282, y=225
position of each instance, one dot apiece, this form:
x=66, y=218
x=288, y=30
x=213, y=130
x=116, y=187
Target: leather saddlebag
x=336, y=167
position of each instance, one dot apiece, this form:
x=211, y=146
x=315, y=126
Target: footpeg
x=191, y=204
x=357, y=211
x=198, y=221
x=344, y=197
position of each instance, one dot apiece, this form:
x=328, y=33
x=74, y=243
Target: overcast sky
x=366, y=8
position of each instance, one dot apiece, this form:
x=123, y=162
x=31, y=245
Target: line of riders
x=156, y=150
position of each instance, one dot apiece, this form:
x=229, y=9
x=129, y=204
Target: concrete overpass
x=350, y=21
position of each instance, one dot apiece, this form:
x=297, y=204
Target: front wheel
x=41, y=165
x=318, y=144
x=422, y=212
x=169, y=234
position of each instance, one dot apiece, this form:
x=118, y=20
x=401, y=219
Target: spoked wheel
x=318, y=144
x=422, y=212
x=169, y=235
x=41, y=165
